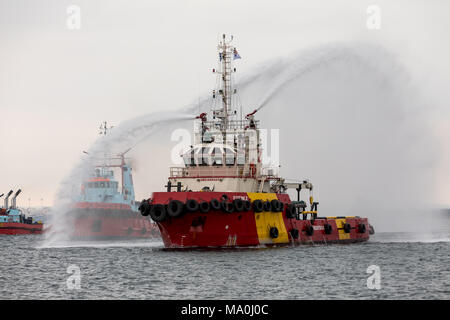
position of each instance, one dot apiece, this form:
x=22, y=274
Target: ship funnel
x=7, y=198
x=13, y=200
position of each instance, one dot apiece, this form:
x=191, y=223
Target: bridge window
x=217, y=156
x=229, y=156
x=188, y=158
x=240, y=159
x=204, y=156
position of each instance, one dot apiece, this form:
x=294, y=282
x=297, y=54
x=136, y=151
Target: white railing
x=210, y=171
x=223, y=171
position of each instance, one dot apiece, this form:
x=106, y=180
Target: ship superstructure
x=225, y=196
x=102, y=188
x=106, y=207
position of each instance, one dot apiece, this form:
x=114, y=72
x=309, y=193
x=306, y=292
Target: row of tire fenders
x=176, y=208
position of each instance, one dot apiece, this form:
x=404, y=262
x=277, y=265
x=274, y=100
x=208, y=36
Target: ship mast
x=226, y=54
x=104, y=129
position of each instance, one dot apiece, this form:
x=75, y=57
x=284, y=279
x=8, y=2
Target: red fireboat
x=224, y=196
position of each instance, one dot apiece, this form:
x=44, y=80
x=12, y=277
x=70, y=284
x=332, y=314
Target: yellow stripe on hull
x=340, y=225
x=268, y=219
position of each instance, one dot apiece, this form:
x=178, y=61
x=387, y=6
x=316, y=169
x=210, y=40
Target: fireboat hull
x=216, y=228
x=15, y=228
x=111, y=224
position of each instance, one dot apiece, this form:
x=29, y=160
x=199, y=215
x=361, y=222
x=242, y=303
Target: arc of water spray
x=295, y=68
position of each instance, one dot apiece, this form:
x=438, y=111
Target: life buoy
x=175, y=208
x=347, y=228
x=238, y=205
x=247, y=205
x=258, y=206
x=362, y=228
x=215, y=204
x=204, y=206
x=327, y=228
x=227, y=207
x=273, y=232
x=294, y=233
x=158, y=212
x=309, y=230
x=192, y=205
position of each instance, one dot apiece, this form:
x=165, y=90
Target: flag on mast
x=236, y=54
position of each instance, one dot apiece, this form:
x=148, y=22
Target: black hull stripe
x=21, y=228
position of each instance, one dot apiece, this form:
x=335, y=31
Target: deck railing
x=244, y=171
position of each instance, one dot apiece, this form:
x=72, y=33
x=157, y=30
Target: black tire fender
x=158, y=212
x=362, y=228
x=267, y=206
x=192, y=205
x=347, y=228
x=273, y=232
x=327, y=228
x=227, y=207
x=214, y=204
x=309, y=230
x=204, y=206
x=238, y=205
x=247, y=205
x=258, y=206
x=290, y=211
x=274, y=205
x=294, y=233
x=175, y=208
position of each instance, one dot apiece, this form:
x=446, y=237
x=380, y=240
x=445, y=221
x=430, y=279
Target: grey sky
x=136, y=57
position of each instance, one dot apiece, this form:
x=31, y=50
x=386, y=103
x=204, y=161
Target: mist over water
x=120, y=139
x=350, y=119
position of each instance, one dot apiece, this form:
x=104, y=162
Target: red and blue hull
x=100, y=221
x=17, y=228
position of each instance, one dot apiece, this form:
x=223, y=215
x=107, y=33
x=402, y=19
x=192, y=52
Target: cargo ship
x=13, y=221
x=105, y=210
x=224, y=196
